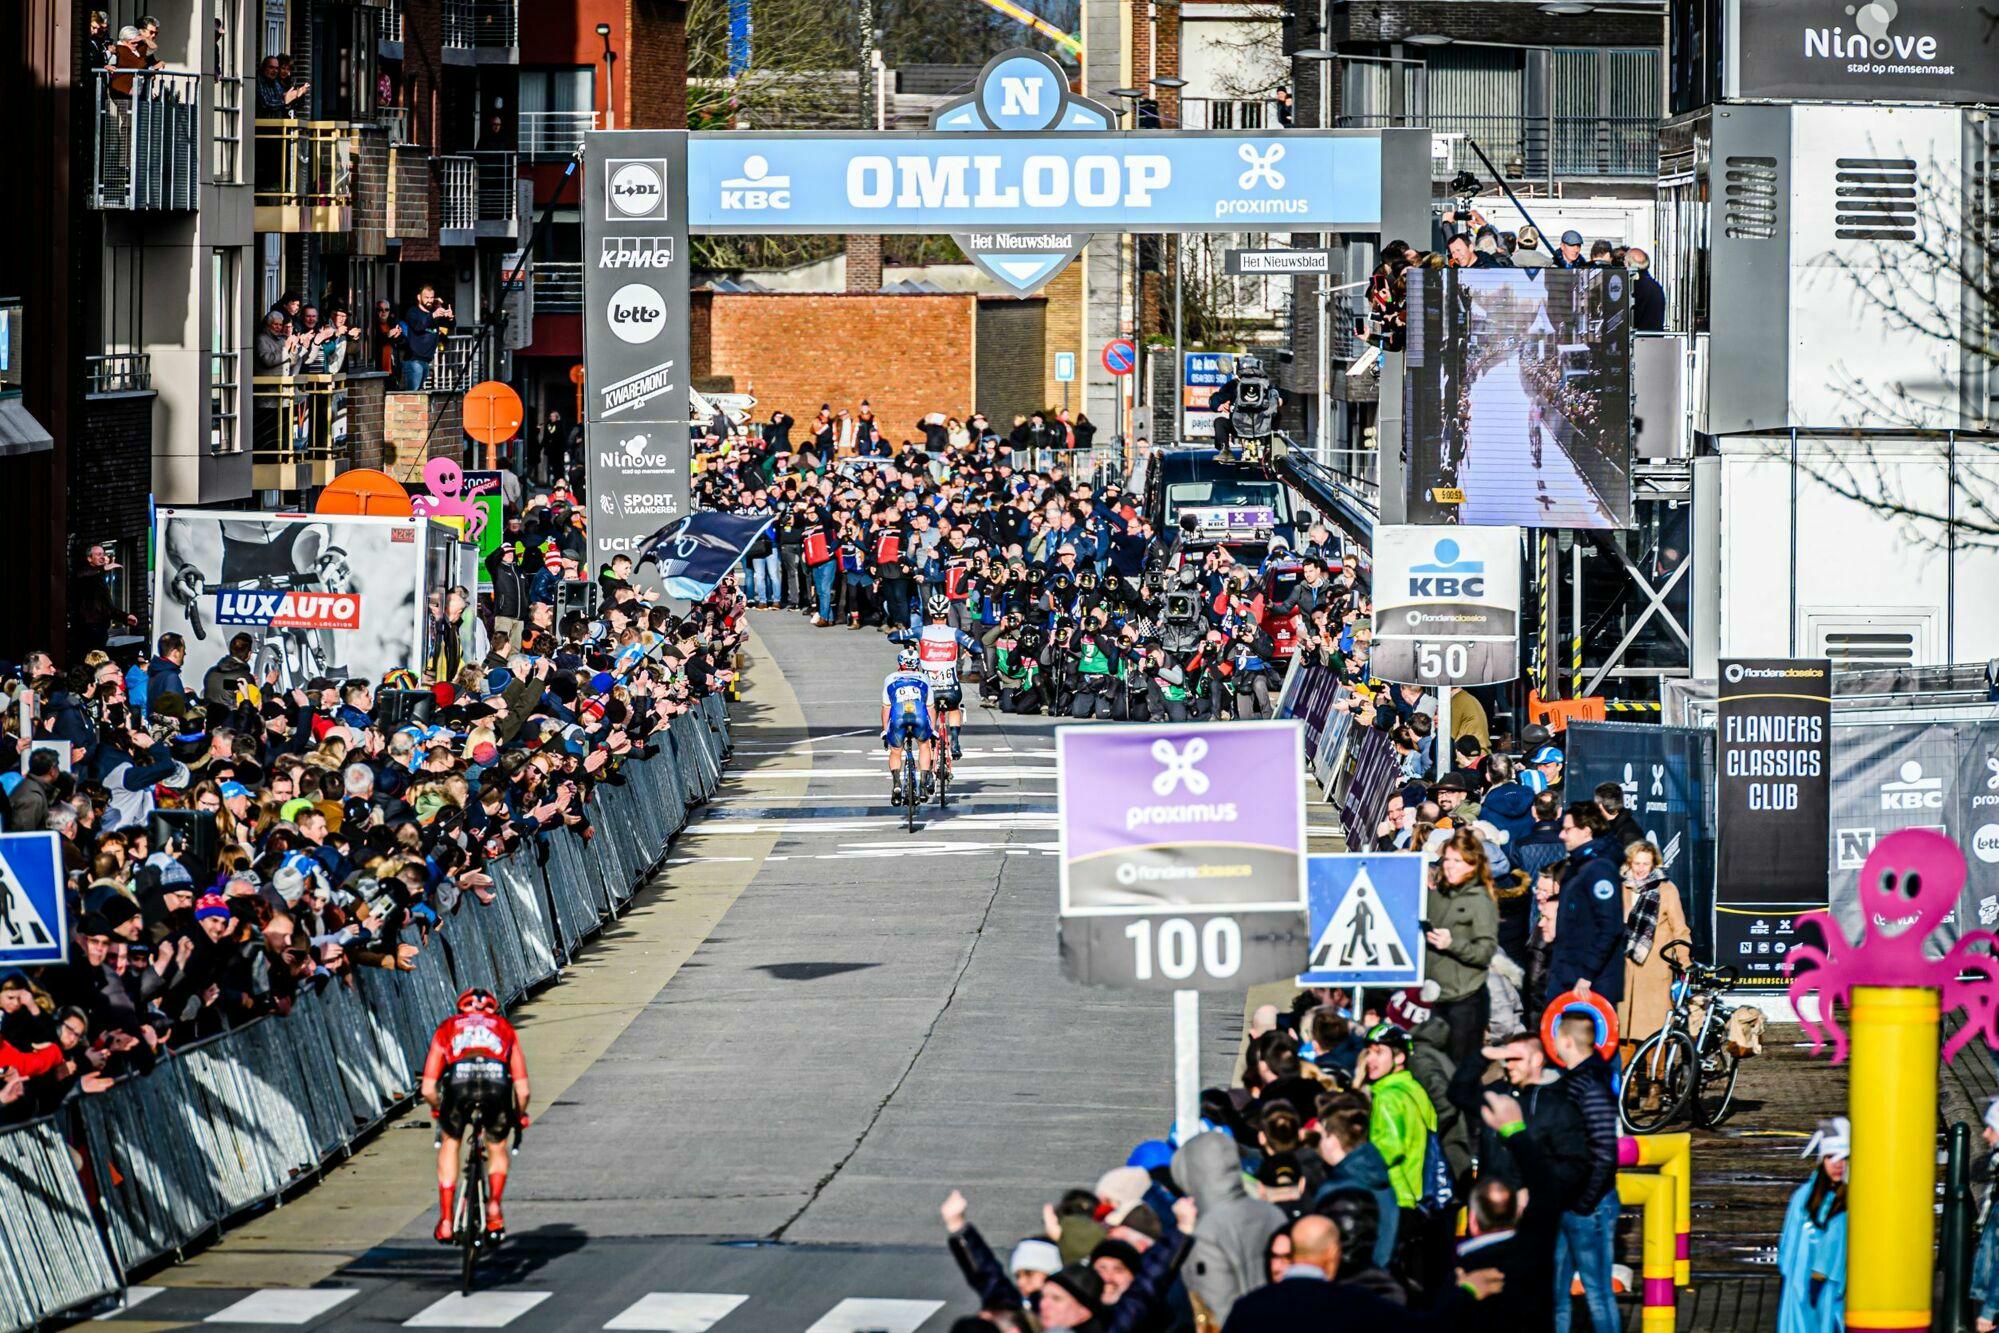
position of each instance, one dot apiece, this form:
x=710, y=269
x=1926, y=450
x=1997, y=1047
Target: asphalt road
x=863, y=1020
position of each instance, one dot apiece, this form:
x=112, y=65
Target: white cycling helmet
x=907, y=659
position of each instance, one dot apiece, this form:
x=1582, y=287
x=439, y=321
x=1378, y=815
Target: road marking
x=134, y=1296
x=677, y=1311
x=282, y=1305
x=482, y=1309
x=867, y=1314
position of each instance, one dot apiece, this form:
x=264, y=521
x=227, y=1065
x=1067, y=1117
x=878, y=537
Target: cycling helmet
x=937, y=606
x=907, y=659
x=478, y=1000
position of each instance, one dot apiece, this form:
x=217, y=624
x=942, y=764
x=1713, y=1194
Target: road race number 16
x=1175, y=948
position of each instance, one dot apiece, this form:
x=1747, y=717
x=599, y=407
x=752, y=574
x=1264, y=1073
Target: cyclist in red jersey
x=474, y=1057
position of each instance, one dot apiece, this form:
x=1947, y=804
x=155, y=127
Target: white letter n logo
x=1020, y=97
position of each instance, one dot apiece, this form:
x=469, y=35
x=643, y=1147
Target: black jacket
x=1291, y=1304
x=1142, y=1307
x=1648, y=304
x=1589, y=922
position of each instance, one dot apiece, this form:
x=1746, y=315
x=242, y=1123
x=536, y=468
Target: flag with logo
x=1889, y=776
x=696, y=553
x=1665, y=774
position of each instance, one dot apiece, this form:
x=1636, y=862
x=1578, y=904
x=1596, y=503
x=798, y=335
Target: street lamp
x=1428, y=39
x=1172, y=83
x=610, y=82
x=1130, y=97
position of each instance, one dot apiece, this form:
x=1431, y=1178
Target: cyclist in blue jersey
x=907, y=703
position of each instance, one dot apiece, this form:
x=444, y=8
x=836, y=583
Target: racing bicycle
x=1688, y=1065
x=940, y=759
x=468, y=1223
x=912, y=795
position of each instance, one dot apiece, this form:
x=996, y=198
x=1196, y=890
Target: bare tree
x=1939, y=293
x=803, y=72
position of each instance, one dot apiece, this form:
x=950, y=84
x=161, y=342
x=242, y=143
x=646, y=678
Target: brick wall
x=371, y=197
x=1063, y=332
x=408, y=420
x=111, y=471
x=907, y=354
x=654, y=77
x=423, y=59
x=365, y=405
x=864, y=263
x=1010, y=353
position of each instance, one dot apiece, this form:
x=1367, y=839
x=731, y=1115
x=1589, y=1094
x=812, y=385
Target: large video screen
x=1517, y=398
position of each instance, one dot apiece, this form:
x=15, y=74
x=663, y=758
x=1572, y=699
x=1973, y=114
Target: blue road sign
x=34, y=926
x=1065, y=367
x=1365, y=911
x=1120, y=356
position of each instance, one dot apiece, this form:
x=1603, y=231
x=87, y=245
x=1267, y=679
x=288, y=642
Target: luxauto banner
x=318, y=596
x=1665, y=774
x=635, y=336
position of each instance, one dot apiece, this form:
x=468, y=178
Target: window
x=225, y=357
x=226, y=133
x=557, y=106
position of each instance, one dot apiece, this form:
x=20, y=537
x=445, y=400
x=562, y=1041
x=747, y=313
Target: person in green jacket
x=1461, y=930
x=1402, y=1119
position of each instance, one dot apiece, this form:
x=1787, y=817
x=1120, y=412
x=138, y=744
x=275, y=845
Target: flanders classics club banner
x=1773, y=808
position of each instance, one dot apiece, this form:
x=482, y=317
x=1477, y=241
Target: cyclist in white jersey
x=937, y=648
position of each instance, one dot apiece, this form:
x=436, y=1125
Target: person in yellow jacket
x=1402, y=1118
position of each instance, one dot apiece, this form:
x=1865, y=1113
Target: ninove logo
x=1870, y=39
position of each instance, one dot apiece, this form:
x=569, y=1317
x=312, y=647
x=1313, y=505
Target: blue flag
x=697, y=552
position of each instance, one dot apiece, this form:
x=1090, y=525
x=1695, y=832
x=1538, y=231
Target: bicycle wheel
x=472, y=1203
x=910, y=793
x=1658, y=1082
x=1715, y=1092
x=944, y=768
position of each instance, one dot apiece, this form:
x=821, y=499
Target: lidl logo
x=1450, y=573
x=288, y=609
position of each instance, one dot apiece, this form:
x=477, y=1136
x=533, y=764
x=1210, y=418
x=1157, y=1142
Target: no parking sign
x=1120, y=356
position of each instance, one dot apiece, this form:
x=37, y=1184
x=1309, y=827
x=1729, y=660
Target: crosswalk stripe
x=282, y=1305
x=482, y=1309
x=867, y=1314
x=134, y=1296
x=677, y=1311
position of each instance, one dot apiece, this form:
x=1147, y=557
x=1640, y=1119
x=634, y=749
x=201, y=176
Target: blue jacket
x=1364, y=1169
x=1509, y=807
x=1589, y=922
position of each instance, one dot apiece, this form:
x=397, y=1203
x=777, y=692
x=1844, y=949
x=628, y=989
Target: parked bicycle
x=1688, y=1065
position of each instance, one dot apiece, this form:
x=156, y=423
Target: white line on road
x=282, y=1305
x=482, y=1309
x=864, y=1314
x=134, y=1296
x=677, y=1312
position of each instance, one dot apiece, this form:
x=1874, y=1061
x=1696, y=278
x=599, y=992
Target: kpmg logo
x=1177, y=767
x=635, y=189
x=1449, y=574
x=647, y=252
x=755, y=189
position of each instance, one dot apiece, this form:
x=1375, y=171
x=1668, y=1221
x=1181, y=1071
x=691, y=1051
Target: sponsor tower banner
x=1773, y=811
x=635, y=336
x=1447, y=605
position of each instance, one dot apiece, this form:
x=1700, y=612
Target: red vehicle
x=1279, y=577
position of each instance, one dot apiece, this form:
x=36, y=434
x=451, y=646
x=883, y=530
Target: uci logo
x=1447, y=575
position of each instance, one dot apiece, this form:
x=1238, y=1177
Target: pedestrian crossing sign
x=33, y=926
x=1366, y=913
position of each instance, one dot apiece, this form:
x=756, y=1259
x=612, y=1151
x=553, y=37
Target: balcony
x=481, y=32
x=389, y=36
x=1227, y=113
x=558, y=286
x=301, y=431
x=1548, y=148
x=478, y=198
x=117, y=372
x=224, y=437
x=554, y=136
x=148, y=153
x=305, y=176
x=460, y=363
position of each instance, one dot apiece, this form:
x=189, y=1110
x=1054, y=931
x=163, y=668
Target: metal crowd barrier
x=51, y=1255
x=235, y=1120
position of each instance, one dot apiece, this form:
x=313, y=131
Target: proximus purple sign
x=1183, y=853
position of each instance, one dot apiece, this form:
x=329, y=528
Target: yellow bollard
x=1891, y=1181
x=1673, y=1155
x=1654, y=1195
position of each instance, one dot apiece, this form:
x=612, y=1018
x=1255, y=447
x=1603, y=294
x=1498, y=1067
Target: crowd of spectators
x=227, y=845
x=1083, y=609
